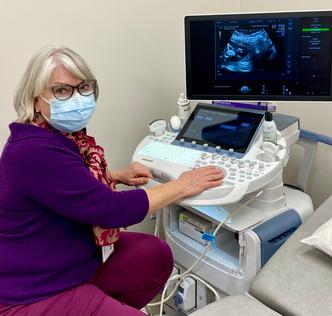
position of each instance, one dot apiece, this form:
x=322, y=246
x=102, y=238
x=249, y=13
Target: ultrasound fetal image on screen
x=248, y=51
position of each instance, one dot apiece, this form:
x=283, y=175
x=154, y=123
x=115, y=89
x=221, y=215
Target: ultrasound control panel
x=245, y=167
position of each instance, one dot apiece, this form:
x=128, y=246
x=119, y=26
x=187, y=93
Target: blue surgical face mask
x=71, y=115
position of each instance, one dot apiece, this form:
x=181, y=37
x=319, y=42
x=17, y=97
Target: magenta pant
x=130, y=278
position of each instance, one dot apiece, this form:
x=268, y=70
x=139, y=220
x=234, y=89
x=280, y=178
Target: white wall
x=136, y=49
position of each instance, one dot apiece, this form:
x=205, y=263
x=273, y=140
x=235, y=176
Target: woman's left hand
x=134, y=174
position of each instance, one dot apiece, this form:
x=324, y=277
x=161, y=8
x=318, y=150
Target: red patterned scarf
x=94, y=158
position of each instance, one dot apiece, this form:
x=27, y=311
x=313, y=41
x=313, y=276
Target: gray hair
x=37, y=75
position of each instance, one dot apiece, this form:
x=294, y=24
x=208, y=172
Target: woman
x=55, y=186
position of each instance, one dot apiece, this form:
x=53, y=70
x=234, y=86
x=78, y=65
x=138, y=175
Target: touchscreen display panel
x=216, y=126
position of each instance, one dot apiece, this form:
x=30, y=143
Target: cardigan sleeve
x=57, y=178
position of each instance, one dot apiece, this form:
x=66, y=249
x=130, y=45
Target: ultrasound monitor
x=261, y=56
x=210, y=127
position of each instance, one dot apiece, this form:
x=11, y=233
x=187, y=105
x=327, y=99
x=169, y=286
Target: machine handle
x=235, y=195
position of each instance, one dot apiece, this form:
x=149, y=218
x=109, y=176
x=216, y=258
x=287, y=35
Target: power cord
x=156, y=229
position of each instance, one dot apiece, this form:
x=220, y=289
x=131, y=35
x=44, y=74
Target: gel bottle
x=269, y=129
x=184, y=108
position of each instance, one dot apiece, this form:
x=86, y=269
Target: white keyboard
x=236, y=170
x=242, y=176
x=170, y=153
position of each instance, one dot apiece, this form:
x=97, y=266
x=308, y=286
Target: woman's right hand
x=197, y=180
x=189, y=183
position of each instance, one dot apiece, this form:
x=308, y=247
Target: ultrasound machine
x=239, y=62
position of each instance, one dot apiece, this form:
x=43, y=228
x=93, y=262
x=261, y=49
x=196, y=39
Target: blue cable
x=208, y=237
x=211, y=238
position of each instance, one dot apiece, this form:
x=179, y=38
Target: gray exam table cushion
x=236, y=305
x=297, y=280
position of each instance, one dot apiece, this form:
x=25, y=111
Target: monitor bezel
x=189, y=93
